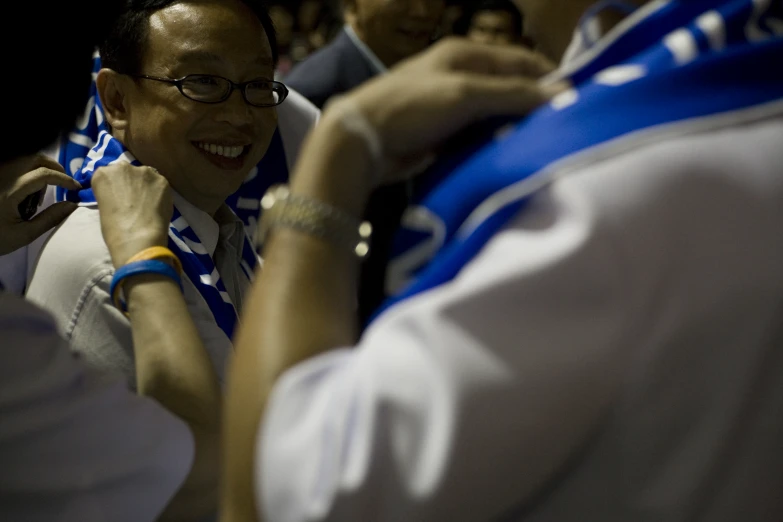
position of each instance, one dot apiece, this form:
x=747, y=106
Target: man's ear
x=113, y=90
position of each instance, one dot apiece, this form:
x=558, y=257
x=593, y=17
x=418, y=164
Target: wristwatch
x=281, y=208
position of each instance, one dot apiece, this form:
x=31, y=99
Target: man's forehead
x=195, y=55
x=207, y=32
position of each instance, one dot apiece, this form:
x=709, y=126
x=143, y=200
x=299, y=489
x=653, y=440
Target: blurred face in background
x=451, y=14
x=395, y=29
x=494, y=27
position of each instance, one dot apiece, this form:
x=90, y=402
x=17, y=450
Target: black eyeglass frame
x=282, y=92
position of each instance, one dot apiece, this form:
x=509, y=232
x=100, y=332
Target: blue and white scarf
x=197, y=264
x=90, y=146
x=670, y=62
x=245, y=203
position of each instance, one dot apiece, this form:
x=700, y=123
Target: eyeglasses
x=208, y=88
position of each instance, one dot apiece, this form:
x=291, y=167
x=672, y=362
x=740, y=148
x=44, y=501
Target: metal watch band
x=280, y=208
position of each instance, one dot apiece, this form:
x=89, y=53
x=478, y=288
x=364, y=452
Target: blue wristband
x=138, y=268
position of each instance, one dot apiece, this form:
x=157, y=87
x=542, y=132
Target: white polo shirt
x=615, y=353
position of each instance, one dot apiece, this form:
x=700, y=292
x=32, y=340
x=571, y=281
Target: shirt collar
x=225, y=226
x=369, y=55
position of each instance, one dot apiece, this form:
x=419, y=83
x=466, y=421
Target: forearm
x=303, y=305
x=173, y=368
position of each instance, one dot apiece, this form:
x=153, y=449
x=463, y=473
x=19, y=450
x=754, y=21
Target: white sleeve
x=446, y=410
x=74, y=447
x=466, y=400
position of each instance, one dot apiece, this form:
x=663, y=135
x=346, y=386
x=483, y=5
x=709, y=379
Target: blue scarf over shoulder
x=675, y=61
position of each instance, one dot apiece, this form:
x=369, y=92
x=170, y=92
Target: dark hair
x=123, y=49
x=48, y=69
x=506, y=6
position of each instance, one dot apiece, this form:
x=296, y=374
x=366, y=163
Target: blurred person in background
x=284, y=22
x=316, y=25
x=377, y=34
x=496, y=22
x=452, y=14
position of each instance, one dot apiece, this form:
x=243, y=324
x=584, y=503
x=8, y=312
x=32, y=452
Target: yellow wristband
x=157, y=253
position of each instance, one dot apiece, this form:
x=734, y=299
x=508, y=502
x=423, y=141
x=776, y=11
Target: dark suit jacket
x=335, y=69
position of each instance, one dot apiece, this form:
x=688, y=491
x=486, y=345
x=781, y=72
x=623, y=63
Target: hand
x=16, y=232
x=431, y=97
x=136, y=207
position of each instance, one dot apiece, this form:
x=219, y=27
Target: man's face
x=191, y=143
x=397, y=29
x=493, y=27
x=551, y=23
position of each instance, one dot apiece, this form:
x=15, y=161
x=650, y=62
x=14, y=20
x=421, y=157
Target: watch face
x=274, y=195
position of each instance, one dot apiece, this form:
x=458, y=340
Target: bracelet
x=313, y=217
x=157, y=253
x=149, y=266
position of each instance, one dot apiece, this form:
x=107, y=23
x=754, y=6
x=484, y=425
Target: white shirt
x=73, y=276
x=74, y=447
x=613, y=354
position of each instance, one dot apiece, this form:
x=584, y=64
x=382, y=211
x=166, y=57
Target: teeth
x=220, y=150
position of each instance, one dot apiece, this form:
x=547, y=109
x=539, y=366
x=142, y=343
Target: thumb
x=48, y=219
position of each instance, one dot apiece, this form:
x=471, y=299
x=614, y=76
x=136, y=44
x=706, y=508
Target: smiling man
x=187, y=89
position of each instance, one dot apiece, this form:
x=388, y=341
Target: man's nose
x=235, y=110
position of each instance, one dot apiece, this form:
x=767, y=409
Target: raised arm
x=303, y=304
x=172, y=365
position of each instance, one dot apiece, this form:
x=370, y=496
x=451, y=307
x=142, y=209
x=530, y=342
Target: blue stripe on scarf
x=638, y=82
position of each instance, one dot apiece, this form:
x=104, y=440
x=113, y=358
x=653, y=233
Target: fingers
x=487, y=96
x=470, y=57
x=42, y=160
x=38, y=179
x=46, y=220
x=126, y=178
